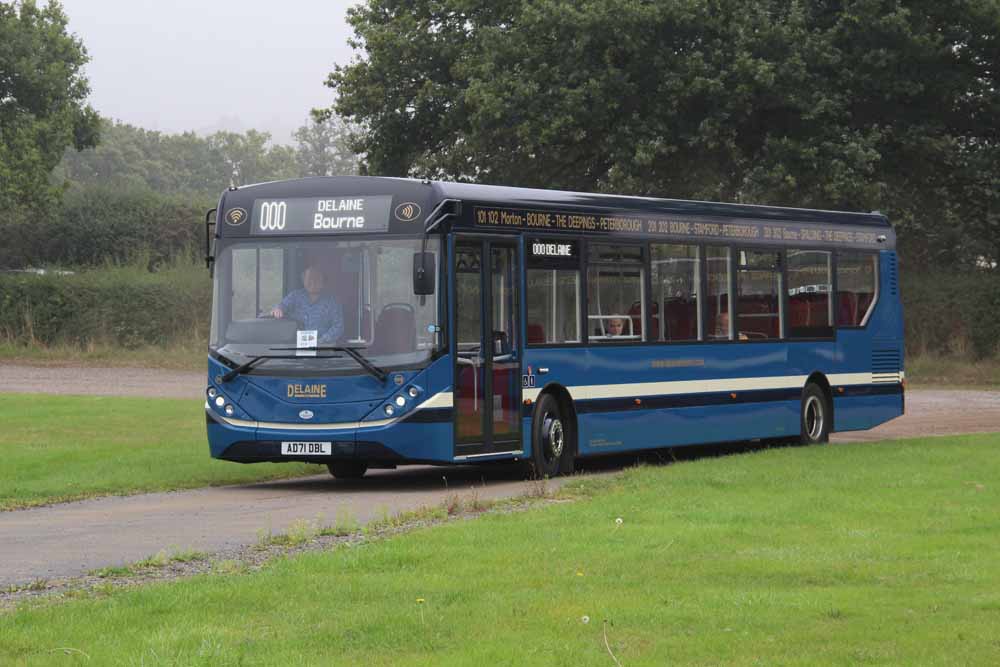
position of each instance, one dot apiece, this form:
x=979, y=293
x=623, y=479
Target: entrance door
x=487, y=364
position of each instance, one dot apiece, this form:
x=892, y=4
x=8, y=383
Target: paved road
x=71, y=539
x=154, y=383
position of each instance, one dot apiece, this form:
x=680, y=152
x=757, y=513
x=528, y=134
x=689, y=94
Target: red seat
x=536, y=334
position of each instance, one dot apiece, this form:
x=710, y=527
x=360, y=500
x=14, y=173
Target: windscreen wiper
x=375, y=371
x=243, y=368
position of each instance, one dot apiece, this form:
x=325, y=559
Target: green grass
x=58, y=448
x=953, y=372
x=181, y=356
x=881, y=553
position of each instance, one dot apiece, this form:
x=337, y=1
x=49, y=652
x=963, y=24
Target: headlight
x=389, y=410
x=220, y=401
x=230, y=410
x=400, y=401
x=212, y=392
x=412, y=391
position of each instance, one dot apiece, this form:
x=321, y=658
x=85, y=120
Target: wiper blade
x=375, y=371
x=243, y=368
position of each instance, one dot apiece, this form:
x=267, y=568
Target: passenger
x=313, y=309
x=615, y=327
x=722, y=327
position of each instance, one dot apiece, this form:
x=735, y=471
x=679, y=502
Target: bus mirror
x=423, y=273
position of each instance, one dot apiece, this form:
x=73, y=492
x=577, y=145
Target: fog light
x=220, y=401
x=413, y=392
x=212, y=392
x=400, y=401
x=230, y=410
x=389, y=410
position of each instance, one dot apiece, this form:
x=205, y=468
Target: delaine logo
x=407, y=211
x=307, y=391
x=236, y=216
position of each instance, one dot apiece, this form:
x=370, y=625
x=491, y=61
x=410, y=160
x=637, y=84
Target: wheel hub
x=813, y=418
x=555, y=437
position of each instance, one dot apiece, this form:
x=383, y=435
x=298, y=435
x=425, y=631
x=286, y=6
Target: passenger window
x=675, y=272
x=857, y=280
x=553, y=291
x=758, y=296
x=810, y=306
x=717, y=324
x=616, y=307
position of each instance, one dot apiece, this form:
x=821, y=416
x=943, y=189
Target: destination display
x=701, y=228
x=320, y=215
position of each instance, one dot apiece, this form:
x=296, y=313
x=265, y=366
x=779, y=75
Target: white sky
x=205, y=65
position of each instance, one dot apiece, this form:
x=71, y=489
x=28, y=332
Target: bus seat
x=536, y=334
x=395, y=330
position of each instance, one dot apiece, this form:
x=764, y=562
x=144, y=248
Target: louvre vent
x=885, y=366
x=892, y=275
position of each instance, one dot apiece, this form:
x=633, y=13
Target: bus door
x=487, y=388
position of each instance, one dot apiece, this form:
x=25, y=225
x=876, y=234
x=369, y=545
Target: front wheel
x=551, y=434
x=816, y=416
x=347, y=469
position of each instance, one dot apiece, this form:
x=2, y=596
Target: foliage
x=951, y=313
x=874, y=553
x=125, y=305
x=103, y=223
x=860, y=105
x=42, y=103
x=201, y=167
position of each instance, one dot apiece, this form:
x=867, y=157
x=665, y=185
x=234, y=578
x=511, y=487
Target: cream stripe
x=594, y=391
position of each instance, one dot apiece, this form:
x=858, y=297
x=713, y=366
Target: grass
x=876, y=553
x=157, y=561
x=953, y=372
x=181, y=356
x=59, y=448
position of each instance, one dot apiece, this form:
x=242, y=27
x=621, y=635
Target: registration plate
x=306, y=448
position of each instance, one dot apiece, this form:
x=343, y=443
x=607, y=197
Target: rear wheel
x=817, y=417
x=551, y=439
x=347, y=469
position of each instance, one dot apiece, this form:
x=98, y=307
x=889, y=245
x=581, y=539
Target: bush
x=127, y=306
x=949, y=313
x=99, y=224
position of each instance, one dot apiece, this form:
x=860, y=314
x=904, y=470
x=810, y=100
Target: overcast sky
x=205, y=65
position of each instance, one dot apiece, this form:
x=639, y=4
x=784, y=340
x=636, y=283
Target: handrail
x=209, y=258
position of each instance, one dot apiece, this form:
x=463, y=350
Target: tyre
x=551, y=439
x=816, y=417
x=347, y=469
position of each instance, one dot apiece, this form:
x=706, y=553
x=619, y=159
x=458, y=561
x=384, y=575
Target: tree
x=42, y=103
x=856, y=104
x=323, y=148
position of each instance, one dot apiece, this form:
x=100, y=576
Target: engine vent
x=893, y=282
x=886, y=366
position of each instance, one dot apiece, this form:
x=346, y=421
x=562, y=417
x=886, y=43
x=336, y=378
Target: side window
x=857, y=280
x=758, y=295
x=717, y=324
x=810, y=306
x=675, y=272
x=553, y=294
x=616, y=308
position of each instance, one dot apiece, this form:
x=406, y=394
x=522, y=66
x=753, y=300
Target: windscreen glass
x=281, y=297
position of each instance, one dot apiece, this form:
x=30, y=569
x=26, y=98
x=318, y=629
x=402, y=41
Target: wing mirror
x=423, y=273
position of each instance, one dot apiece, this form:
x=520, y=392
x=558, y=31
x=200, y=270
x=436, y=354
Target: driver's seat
x=395, y=330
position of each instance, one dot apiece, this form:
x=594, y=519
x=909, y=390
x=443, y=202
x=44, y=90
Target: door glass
x=469, y=386
x=504, y=307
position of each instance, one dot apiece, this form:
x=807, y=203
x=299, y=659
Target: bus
x=369, y=322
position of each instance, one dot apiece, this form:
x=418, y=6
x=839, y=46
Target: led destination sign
x=320, y=215
x=703, y=228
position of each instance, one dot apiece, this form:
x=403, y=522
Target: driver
x=312, y=308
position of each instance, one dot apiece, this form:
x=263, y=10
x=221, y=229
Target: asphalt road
x=71, y=539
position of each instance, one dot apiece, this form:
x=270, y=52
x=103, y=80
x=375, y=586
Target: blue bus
x=368, y=322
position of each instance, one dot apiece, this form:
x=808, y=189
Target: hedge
x=126, y=306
